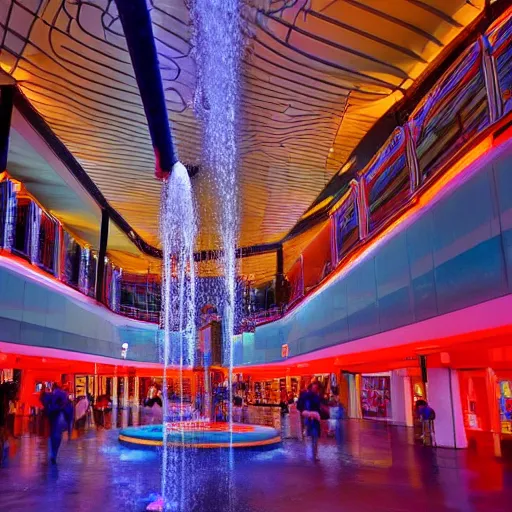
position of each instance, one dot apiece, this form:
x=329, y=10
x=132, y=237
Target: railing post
x=302, y=275
x=34, y=230
x=359, y=190
x=492, y=87
x=334, y=244
x=102, y=254
x=412, y=159
x=280, y=284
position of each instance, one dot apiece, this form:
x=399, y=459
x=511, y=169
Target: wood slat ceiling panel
x=316, y=76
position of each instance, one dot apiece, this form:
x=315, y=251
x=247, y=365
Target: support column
x=409, y=418
x=280, y=297
x=6, y=96
x=136, y=392
x=399, y=402
x=126, y=398
x=354, y=398
x=114, y=392
x=125, y=405
x=444, y=397
x=102, y=253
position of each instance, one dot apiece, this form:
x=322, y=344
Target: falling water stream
x=178, y=227
x=217, y=51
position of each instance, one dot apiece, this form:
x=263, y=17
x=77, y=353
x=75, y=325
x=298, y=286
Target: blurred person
x=338, y=414
x=426, y=416
x=81, y=412
x=7, y=395
x=283, y=402
x=59, y=411
x=312, y=415
x=301, y=407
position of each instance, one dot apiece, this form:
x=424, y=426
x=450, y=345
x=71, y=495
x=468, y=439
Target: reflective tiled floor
x=376, y=469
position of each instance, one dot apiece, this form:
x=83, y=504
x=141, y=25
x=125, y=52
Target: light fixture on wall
x=124, y=350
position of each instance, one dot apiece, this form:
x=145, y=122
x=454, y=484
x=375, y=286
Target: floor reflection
x=376, y=469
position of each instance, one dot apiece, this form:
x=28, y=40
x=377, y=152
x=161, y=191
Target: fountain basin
x=201, y=435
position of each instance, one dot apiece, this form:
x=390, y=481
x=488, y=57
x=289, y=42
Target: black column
x=6, y=96
x=281, y=295
x=423, y=367
x=102, y=253
x=280, y=260
x=138, y=31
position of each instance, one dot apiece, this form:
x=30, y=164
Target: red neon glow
x=476, y=323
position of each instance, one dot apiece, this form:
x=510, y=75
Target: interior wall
x=425, y=269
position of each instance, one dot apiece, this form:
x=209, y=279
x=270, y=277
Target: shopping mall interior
x=256, y=255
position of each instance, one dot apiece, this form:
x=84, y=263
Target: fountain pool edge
x=249, y=436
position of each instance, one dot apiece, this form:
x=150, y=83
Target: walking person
x=311, y=414
x=7, y=395
x=59, y=411
x=301, y=408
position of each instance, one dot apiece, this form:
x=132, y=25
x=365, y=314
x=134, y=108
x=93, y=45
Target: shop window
x=376, y=397
x=71, y=261
x=454, y=111
x=505, y=404
x=46, y=248
x=387, y=180
x=500, y=36
x=346, y=227
x=21, y=230
x=317, y=258
x=295, y=277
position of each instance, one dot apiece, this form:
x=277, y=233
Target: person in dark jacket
x=301, y=407
x=7, y=393
x=59, y=411
x=311, y=413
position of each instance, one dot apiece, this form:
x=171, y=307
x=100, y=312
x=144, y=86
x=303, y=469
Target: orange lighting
x=465, y=161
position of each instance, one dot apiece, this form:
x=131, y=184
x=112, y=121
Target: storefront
x=383, y=396
x=486, y=405
x=376, y=396
x=505, y=406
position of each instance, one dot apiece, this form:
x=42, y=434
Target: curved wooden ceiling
x=317, y=75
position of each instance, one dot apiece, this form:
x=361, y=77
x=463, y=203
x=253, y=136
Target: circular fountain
x=201, y=434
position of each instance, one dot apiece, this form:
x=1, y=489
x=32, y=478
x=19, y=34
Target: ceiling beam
x=138, y=31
